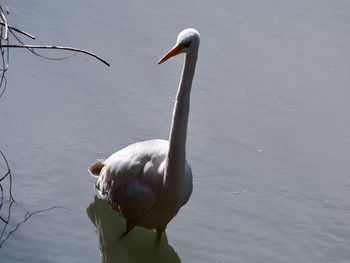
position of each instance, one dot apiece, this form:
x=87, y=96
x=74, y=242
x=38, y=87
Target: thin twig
x=60, y=48
x=37, y=54
x=4, y=19
x=18, y=30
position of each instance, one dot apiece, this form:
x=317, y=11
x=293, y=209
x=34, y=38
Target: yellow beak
x=173, y=52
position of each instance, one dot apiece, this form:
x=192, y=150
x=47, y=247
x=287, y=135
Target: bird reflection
x=140, y=245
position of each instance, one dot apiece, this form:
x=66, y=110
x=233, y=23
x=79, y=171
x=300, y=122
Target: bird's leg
x=129, y=226
x=158, y=238
x=160, y=230
x=124, y=234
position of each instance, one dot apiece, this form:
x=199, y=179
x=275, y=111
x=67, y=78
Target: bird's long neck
x=176, y=157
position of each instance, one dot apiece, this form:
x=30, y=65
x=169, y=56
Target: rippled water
x=268, y=137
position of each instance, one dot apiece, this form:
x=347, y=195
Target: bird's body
x=132, y=181
x=148, y=182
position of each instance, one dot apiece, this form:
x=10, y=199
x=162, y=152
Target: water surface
x=268, y=137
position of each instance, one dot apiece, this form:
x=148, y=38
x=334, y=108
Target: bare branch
x=4, y=19
x=59, y=48
x=18, y=30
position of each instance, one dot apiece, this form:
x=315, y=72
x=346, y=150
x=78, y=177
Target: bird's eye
x=187, y=44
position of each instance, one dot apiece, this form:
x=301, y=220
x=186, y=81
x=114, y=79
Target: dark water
x=268, y=137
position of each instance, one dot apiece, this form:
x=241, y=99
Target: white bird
x=148, y=182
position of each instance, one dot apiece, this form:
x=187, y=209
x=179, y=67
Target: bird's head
x=187, y=42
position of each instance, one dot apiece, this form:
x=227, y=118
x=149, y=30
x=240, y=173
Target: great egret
x=148, y=182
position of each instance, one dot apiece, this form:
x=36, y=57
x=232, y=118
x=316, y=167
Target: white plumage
x=148, y=182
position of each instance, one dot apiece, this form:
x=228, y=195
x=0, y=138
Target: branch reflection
x=6, y=174
x=140, y=245
x=7, y=201
x=4, y=238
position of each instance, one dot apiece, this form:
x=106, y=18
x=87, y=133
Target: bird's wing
x=132, y=177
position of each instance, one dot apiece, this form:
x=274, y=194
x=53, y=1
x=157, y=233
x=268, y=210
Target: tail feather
x=96, y=168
